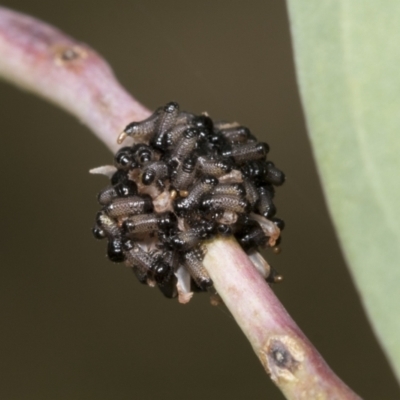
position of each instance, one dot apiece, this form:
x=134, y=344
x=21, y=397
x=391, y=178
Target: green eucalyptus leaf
x=347, y=55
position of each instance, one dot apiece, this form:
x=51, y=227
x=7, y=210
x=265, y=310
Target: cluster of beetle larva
x=185, y=180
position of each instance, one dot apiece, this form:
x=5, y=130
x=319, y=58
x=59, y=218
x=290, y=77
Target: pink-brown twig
x=40, y=58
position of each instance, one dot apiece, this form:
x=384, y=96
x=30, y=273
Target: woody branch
x=39, y=58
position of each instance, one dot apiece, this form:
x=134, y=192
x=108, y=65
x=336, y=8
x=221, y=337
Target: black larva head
x=203, y=122
x=193, y=179
x=189, y=164
x=161, y=272
x=180, y=207
x=171, y=107
x=224, y=230
x=124, y=158
x=280, y=223
x=273, y=175
x=120, y=176
x=115, y=250
x=210, y=180
x=98, y=233
x=148, y=177
x=125, y=189
x=167, y=221
x=207, y=203
x=142, y=153
x=251, y=237
x=147, y=204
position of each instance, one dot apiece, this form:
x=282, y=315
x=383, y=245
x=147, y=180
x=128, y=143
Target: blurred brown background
x=75, y=326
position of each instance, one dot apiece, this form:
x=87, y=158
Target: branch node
x=282, y=356
x=65, y=55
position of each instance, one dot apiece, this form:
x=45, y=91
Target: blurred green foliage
x=347, y=59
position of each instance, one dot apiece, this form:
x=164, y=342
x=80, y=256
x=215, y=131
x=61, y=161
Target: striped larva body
x=126, y=206
x=146, y=223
